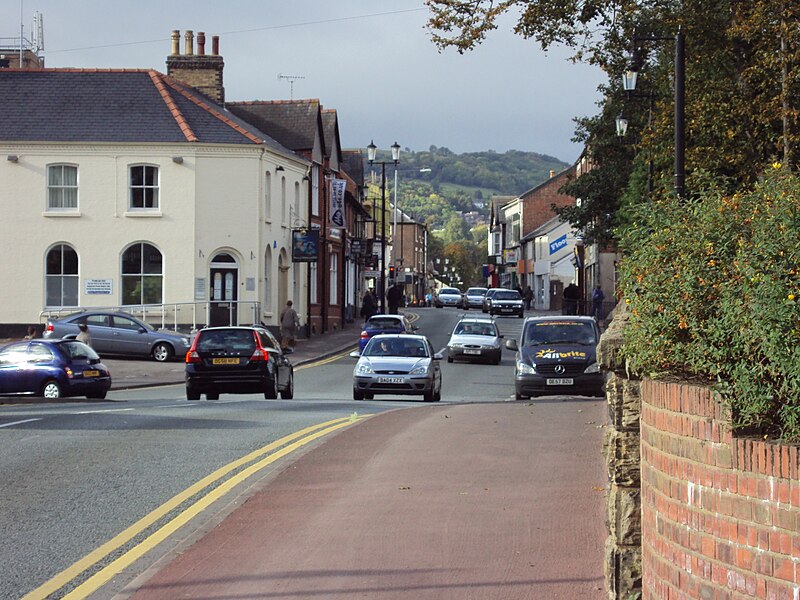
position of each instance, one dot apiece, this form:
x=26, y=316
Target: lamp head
x=395, y=152
x=371, y=150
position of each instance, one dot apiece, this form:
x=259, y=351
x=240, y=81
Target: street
x=78, y=476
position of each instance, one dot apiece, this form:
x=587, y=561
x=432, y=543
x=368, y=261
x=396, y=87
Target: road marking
x=97, y=412
x=273, y=451
x=20, y=422
x=325, y=361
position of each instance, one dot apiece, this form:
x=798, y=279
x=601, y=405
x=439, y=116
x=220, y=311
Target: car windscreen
x=384, y=323
x=78, y=350
x=475, y=329
x=476, y=291
x=559, y=332
x=396, y=347
x=507, y=295
x=237, y=340
x=449, y=292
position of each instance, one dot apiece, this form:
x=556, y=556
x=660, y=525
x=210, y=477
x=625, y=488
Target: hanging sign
x=305, y=245
x=337, y=202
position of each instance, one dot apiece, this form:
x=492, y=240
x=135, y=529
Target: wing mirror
x=512, y=345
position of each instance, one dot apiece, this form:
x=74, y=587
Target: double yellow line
x=264, y=456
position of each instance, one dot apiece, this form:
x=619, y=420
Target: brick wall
x=720, y=515
x=538, y=202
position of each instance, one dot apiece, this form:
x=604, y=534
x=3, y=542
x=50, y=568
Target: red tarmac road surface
x=476, y=501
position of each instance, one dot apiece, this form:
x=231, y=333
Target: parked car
x=53, y=369
x=487, y=298
x=118, y=333
x=556, y=355
x=473, y=297
x=398, y=365
x=238, y=360
x=506, y=302
x=378, y=324
x=475, y=337
x=449, y=296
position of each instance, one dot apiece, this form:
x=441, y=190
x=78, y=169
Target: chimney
x=552, y=173
x=201, y=71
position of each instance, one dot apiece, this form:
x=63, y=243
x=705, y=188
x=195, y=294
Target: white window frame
x=313, y=291
x=154, y=189
x=62, y=278
x=283, y=201
x=334, y=278
x=315, y=190
x=61, y=189
x=267, y=196
x=142, y=275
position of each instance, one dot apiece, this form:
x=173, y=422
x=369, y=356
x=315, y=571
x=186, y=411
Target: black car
x=557, y=355
x=505, y=302
x=238, y=360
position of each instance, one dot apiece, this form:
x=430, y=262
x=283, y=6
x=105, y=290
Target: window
x=313, y=291
x=315, y=190
x=144, y=187
x=268, y=196
x=61, y=279
x=267, y=270
x=296, y=202
x=283, y=200
x=334, y=278
x=62, y=187
x=142, y=276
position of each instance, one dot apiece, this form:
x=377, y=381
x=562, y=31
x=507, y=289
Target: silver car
x=449, y=297
x=473, y=297
x=475, y=338
x=398, y=364
x=120, y=333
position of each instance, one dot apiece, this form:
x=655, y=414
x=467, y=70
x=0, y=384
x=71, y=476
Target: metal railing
x=178, y=316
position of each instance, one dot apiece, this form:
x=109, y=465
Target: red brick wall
x=720, y=515
x=537, y=203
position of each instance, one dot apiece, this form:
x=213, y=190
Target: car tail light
x=259, y=354
x=49, y=327
x=364, y=335
x=192, y=357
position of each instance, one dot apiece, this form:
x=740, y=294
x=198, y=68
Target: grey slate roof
x=117, y=106
x=294, y=123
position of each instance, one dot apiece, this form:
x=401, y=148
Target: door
x=224, y=288
x=129, y=337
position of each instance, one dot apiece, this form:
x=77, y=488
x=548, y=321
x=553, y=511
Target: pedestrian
x=394, y=297
x=527, y=295
x=290, y=323
x=571, y=296
x=597, y=302
x=31, y=333
x=429, y=299
x=84, y=335
x=369, y=305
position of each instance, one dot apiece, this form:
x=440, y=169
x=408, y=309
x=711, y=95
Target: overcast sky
x=373, y=61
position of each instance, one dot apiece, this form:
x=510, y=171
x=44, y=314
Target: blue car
x=377, y=324
x=52, y=369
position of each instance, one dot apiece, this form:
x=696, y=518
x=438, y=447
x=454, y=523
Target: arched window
x=142, y=275
x=61, y=279
x=283, y=200
x=296, y=202
x=268, y=196
x=267, y=280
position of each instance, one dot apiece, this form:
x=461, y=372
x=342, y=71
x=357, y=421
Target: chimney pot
x=201, y=43
x=176, y=42
x=552, y=173
x=215, y=45
x=189, y=49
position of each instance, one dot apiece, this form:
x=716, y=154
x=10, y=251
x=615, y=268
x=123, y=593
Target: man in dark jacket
x=571, y=296
x=394, y=297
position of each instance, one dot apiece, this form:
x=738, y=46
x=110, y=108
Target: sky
x=371, y=60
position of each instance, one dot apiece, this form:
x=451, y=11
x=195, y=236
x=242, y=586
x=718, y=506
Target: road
x=77, y=476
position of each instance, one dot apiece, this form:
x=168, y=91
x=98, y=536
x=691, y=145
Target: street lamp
x=371, y=151
x=629, y=84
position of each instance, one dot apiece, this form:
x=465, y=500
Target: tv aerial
x=291, y=79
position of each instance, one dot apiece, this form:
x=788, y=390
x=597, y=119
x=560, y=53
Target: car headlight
x=421, y=370
x=525, y=368
x=455, y=346
x=364, y=369
x=186, y=342
x=593, y=368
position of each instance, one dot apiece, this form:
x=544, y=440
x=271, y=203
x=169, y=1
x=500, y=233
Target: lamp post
x=629, y=84
x=371, y=151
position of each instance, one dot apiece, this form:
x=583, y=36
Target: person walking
x=84, y=335
x=394, y=297
x=290, y=323
x=597, y=302
x=571, y=296
x=527, y=296
x=31, y=333
x=369, y=305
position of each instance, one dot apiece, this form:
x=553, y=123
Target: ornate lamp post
x=371, y=151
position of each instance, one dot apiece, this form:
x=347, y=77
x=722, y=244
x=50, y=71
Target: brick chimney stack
x=201, y=71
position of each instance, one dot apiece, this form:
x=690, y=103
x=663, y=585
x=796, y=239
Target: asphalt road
x=79, y=475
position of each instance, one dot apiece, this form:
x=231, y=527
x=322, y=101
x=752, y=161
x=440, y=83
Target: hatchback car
x=449, y=296
x=506, y=302
x=378, y=324
x=398, y=365
x=475, y=338
x=473, y=297
x=556, y=355
x=52, y=369
x=238, y=360
x=487, y=298
x=118, y=333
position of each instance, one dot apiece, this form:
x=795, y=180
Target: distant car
x=398, y=365
x=118, y=333
x=556, y=355
x=449, y=296
x=238, y=360
x=507, y=302
x=378, y=324
x=473, y=297
x=53, y=369
x=475, y=337
x=487, y=298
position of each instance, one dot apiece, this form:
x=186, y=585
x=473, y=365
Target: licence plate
x=470, y=351
x=506, y=309
x=560, y=382
x=390, y=380
x=224, y=361
x=91, y=373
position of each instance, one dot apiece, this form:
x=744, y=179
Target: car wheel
x=368, y=396
x=287, y=393
x=272, y=389
x=97, y=396
x=429, y=396
x=357, y=395
x=520, y=315
x=162, y=352
x=449, y=359
x=191, y=394
x=438, y=395
x=51, y=389
x=498, y=359
x=212, y=395
x=519, y=396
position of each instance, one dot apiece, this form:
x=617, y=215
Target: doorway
x=224, y=290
